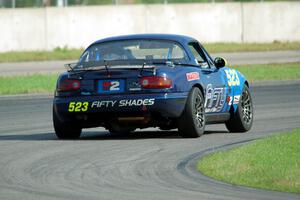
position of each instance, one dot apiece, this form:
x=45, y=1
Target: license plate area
x=111, y=86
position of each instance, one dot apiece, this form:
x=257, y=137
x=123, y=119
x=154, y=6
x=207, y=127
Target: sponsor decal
x=192, y=76
x=236, y=99
x=123, y=103
x=101, y=104
x=232, y=77
x=136, y=102
x=111, y=86
x=215, y=99
x=229, y=100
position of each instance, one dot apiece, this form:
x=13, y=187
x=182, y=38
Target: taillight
x=68, y=85
x=156, y=82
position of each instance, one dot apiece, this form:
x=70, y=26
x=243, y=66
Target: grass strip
x=284, y=71
x=56, y=54
x=271, y=163
x=73, y=54
x=246, y=47
x=37, y=83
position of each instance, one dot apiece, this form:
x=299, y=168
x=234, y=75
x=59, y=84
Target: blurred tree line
x=44, y=3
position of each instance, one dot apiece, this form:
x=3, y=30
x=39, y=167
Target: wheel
x=65, y=130
x=242, y=120
x=191, y=123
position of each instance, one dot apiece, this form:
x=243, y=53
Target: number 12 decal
x=111, y=86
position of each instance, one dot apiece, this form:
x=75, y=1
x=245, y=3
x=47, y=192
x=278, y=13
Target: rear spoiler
x=73, y=67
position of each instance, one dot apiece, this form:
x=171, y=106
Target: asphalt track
x=148, y=165
x=238, y=58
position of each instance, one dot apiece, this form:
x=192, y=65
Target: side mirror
x=220, y=62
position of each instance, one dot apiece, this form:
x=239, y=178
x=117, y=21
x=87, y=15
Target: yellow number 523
x=78, y=106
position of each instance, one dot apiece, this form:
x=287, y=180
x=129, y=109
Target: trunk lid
x=112, y=80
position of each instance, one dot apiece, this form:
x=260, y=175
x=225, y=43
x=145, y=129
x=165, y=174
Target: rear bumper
x=165, y=104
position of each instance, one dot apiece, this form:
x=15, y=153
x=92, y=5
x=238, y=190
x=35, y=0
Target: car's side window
x=198, y=54
x=209, y=59
x=177, y=53
x=84, y=57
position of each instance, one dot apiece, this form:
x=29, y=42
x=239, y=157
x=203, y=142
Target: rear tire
x=65, y=130
x=191, y=123
x=243, y=118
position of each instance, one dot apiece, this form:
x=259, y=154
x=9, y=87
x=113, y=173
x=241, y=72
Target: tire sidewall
x=199, y=130
x=189, y=116
x=65, y=130
x=247, y=126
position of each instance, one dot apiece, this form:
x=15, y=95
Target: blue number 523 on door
x=111, y=86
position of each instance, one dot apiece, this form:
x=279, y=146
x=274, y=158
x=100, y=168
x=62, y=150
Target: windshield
x=132, y=50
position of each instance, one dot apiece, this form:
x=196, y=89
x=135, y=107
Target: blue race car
x=150, y=80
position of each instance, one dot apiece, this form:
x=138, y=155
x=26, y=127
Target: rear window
x=134, y=50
